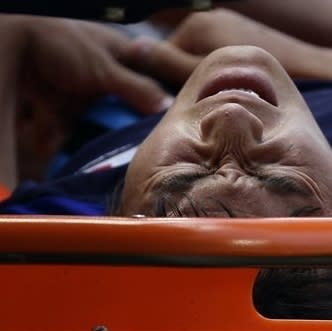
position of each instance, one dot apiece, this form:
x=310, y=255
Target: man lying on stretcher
x=55, y=66
x=239, y=140
x=238, y=133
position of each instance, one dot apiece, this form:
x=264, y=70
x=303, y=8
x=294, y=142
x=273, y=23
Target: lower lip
x=236, y=78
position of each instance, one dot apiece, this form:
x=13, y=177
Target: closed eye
x=284, y=184
x=305, y=211
x=165, y=207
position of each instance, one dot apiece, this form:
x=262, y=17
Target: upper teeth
x=240, y=89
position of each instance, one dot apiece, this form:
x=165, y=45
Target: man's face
x=238, y=142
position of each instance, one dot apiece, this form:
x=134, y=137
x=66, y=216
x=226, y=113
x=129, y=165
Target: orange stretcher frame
x=69, y=273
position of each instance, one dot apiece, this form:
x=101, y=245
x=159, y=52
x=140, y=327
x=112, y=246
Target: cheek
x=176, y=145
x=309, y=148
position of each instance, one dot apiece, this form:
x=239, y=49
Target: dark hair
x=283, y=293
x=294, y=293
x=113, y=200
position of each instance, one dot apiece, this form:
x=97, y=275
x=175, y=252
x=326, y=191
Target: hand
x=54, y=67
x=197, y=36
x=161, y=59
x=201, y=33
x=68, y=60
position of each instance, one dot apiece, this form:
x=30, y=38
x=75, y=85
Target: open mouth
x=250, y=82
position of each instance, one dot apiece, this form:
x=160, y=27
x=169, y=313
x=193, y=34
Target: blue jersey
x=88, y=182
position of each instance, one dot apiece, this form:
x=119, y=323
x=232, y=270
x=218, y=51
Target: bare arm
x=222, y=27
x=309, y=20
x=11, y=42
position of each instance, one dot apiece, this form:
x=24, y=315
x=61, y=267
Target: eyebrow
x=179, y=182
x=281, y=184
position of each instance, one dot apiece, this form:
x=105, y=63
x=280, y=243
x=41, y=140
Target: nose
x=231, y=122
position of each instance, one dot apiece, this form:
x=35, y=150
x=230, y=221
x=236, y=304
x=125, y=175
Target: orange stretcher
x=77, y=274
